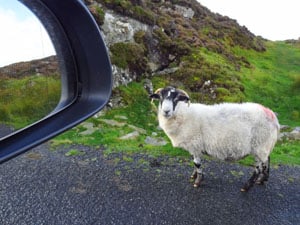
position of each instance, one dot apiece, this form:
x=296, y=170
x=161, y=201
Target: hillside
x=47, y=66
x=180, y=41
x=28, y=91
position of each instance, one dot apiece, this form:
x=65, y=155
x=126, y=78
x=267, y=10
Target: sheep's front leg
x=197, y=174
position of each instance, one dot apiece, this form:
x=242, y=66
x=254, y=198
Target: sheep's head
x=169, y=98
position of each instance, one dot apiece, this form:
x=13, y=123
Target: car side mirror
x=86, y=79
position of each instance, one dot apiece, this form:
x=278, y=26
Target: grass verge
x=138, y=113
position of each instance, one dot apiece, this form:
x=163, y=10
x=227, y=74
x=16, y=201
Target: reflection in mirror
x=29, y=76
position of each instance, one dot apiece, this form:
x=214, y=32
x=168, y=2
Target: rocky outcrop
x=117, y=28
x=163, y=32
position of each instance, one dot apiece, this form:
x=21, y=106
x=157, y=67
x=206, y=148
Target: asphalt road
x=48, y=187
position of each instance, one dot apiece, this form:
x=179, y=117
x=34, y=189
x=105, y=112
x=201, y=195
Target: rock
x=121, y=76
x=283, y=136
x=154, y=134
x=148, y=86
x=89, y=128
x=140, y=130
x=153, y=66
x=113, y=122
x=185, y=11
x=284, y=127
x=167, y=71
x=297, y=129
x=295, y=134
x=131, y=135
x=117, y=28
x=121, y=117
x=155, y=141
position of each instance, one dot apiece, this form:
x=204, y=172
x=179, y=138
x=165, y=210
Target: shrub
x=295, y=115
x=98, y=14
x=296, y=83
x=129, y=55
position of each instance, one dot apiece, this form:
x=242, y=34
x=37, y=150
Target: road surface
x=46, y=186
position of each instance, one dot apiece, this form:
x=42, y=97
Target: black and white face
x=169, y=98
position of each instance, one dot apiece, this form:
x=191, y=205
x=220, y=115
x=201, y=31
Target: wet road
x=48, y=187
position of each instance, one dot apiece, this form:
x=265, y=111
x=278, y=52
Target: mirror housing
x=85, y=70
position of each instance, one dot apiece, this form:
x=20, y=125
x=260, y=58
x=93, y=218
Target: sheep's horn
x=158, y=90
x=183, y=92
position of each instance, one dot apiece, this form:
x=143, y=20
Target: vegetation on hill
x=198, y=47
x=27, y=99
x=274, y=78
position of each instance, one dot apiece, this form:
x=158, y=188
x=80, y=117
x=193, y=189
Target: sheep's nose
x=166, y=112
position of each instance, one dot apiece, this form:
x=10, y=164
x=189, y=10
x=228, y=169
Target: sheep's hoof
x=261, y=179
x=194, y=175
x=259, y=182
x=198, y=180
x=246, y=187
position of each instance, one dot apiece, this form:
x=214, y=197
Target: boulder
x=155, y=141
x=131, y=135
x=295, y=134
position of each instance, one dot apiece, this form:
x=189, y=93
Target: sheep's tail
x=276, y=124
x=278, y=129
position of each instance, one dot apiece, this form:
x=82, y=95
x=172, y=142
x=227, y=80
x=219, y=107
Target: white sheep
x=227, y=131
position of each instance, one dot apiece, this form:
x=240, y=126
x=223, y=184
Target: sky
x=272, y=19
x=22, y=36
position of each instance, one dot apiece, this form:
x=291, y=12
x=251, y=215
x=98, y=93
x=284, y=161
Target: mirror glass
x=30, y=83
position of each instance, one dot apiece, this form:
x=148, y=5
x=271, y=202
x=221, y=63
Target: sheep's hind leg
x=197, y=174
x=264, y=175
x=259, y=176
x=251, y=181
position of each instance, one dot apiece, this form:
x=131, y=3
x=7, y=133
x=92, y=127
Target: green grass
x=26, y=100
x=74, y=152
x=286, y=153
x=272, y=80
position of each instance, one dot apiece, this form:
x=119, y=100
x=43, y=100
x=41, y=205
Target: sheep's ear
x=154, y=97
x=183, y=98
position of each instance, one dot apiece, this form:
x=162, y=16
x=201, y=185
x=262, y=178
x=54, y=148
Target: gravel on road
x=45, y=186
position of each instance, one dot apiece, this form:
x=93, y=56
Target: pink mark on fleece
x=268, y=112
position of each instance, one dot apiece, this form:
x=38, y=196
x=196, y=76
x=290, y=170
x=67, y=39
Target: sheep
x=227, y=131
